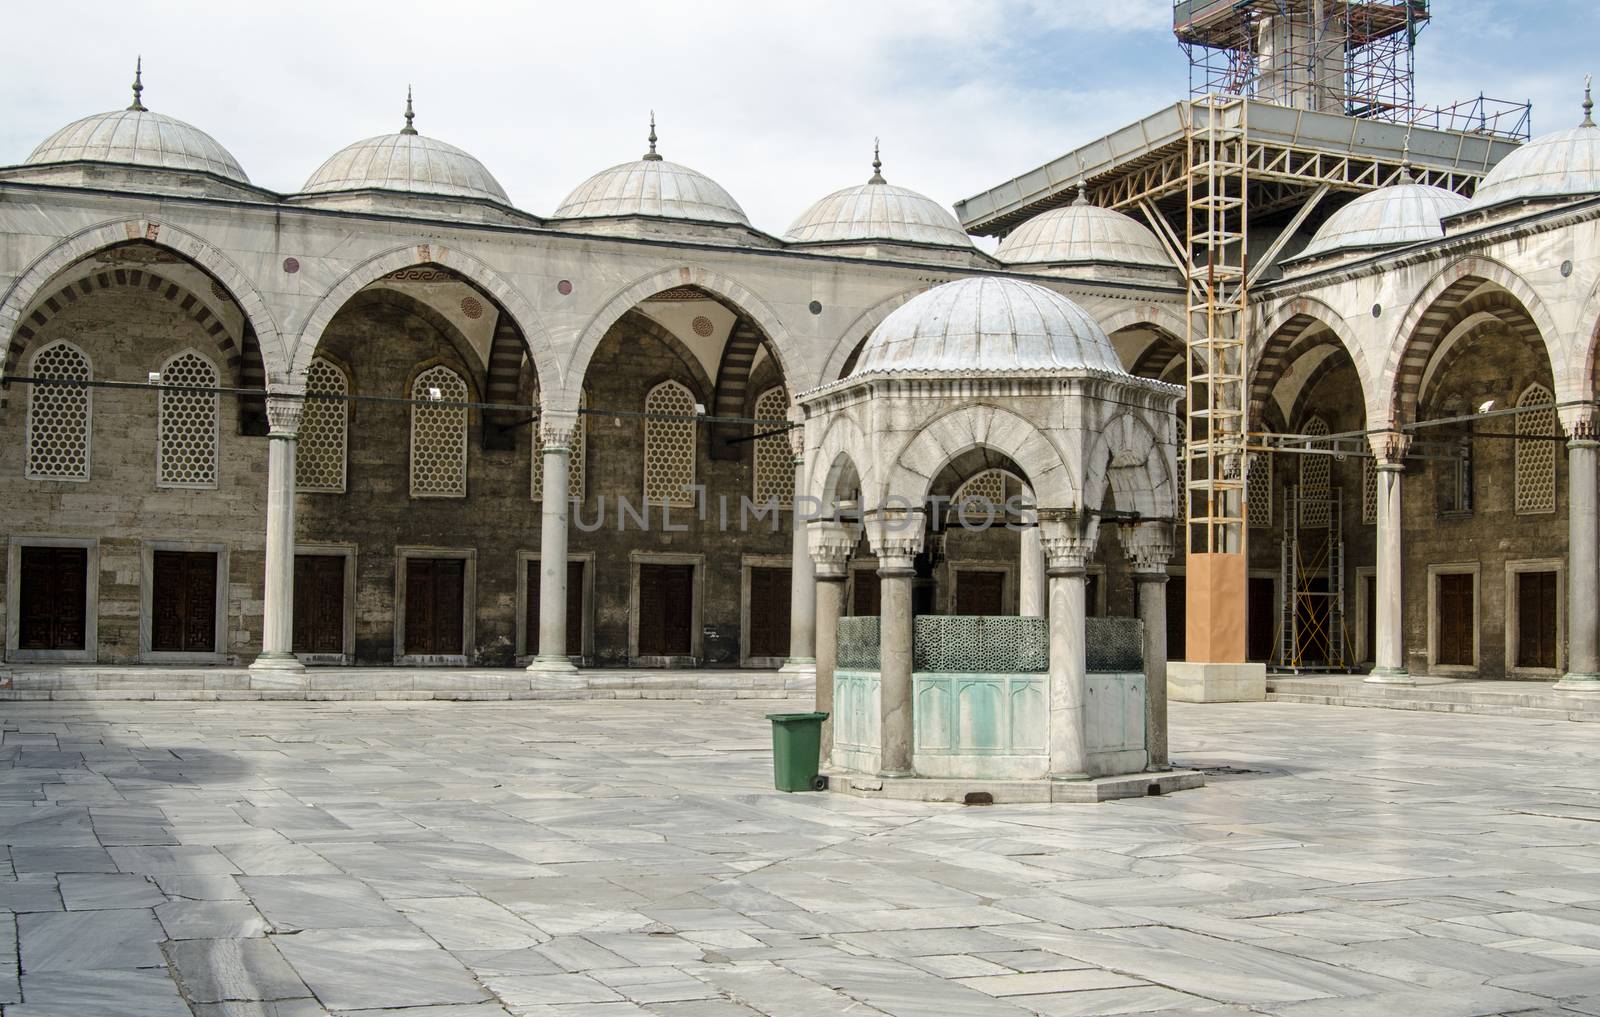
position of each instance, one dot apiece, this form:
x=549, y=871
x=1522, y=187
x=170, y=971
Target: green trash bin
x=796, y=746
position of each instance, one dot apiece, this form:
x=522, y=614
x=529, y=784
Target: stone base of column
x=1067, y=776
x=799, y=665
x=1191, y=681
x=1389, y=676
x=553, y=665
x=1577, y=682
x=282, y=662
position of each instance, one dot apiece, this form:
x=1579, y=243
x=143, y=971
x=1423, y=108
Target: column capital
x=1149, y=546
x=558, y=430
x=284, y=412
x=1067, y=556
x=797, y=433
x=830, y=543
x=1389, y=448
x=1581, y=422
x=896, y=536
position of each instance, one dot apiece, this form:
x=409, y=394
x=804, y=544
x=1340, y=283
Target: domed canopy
x=878, y=210
x=1081, y=232
x=1552, y=166
x=655, y=187
x=406, y=161
x=991, y=326
x=1403, y=213
x=137, y=137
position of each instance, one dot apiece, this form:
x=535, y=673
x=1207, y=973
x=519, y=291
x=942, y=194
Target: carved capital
x=896, y=536
x=1581, y=422
x=1067, y=555
x=831, y=544
x=284, y=413
x=1389, y=448
x=1149, y=546
x=558, y=430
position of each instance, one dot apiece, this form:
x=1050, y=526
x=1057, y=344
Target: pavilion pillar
x=1583, y=555
x=1389, y=657
x=1067, y=559
x=1149, y=550
x=830, y=546
x=802, y=579
x=557, y=431
x=899, y=538
x=1033, y=595
x=277, y=608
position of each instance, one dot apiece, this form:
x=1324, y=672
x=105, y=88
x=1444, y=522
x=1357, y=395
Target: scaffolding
x=1312, y=630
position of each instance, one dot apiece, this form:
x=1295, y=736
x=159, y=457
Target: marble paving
x=629, y=859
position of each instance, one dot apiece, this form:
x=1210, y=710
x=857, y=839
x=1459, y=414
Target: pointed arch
x=1295, y=329
x=845, y=349
x=1137, y=467
x=842, y=456
x=912, y=471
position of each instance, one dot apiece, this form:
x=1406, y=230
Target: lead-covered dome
x=1082, y=233
x=878, y=211
x=988, y=325
x=137, y=137
x=652, y=186
x=1552, y=166
x=409, y=162
x=1404, y=213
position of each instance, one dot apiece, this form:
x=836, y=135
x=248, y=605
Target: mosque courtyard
x=630, y=858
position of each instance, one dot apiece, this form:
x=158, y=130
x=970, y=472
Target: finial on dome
x=652, y=155
x=877, y=165
x=1083, y=193
x=1588, y=101
x=138, y=85
x=410, y=114
x=1406, y=176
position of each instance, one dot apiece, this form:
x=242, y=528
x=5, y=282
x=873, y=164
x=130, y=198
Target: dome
x=1402, y=213
x=406, y=161
x=137, y=137
x=1551, y=166
x=652, y=186
x=988, y=325
x=1081, y=232
x=878, y=210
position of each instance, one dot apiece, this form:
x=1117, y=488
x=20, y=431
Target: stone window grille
x=1369, y=490
x=774, y=456
x=669, y=445
x=59, y=415
x=1316, y=477
x=1258, y=489
x=186, y=447
x=1181, y=494
x=1536, y=456
x=319, y=465
x=439, y=435
x=575, y=460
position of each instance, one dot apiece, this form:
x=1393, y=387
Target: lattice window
x=1258, y=489
x=576, y=461
x=186, y=447
x=1369, y=490
x=58, y=415
x=1536, y=457
x=669, y=445
x=439, y=435
x=319, y=465
x=1316, y=477
x=1182, y=491
x=774, y=456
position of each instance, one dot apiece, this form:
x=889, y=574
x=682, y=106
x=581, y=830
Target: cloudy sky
x=778, y=102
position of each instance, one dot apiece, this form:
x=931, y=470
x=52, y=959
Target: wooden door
x=980, y=593
x=435, y=588
x=769, y=612
x=54, y=591
x=574, y=609
x=319, y=603
x=666, y=610
x=1177, y=619
x=1536, y=619
x=1455, y=620
x=864, y=596
x=1260, y=618
x=183, y=602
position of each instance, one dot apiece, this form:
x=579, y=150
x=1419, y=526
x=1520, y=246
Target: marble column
x=1149, y=550
x=1033, y=592
x=277, y=607
x=1390, y=655
x=1583, y=556
x=557, y=431
x=1067, y=559
x=898, y=541
x=802, y=582
x=830, y=546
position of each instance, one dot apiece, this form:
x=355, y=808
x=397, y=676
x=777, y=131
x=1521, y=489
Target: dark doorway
x=530, y=627
x=1261, y=618
x=666, y=610
x=1370, y=595
x=1091, y=595
x=1177, y=619
x=54, y=590
x=1455, y=620
x=1312, y=608
x=864, y=596
x=183, y=602
x=435, y=609
x=319, y=603
x=1536, y=619
x=980, y=592
x=769, y=612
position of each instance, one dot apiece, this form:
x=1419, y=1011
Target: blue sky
x=779, y=103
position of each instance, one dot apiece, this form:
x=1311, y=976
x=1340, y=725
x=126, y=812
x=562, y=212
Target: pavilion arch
x=742, y=301
x=1449, y=297
x=510, y=300
x=843, y=450
x=910, y=474
x=1587, y=381
x=849, y=344
x=1296, y=329
x=1127, y=461
x=1163, y=318
x=35, y=280
x=476, y=369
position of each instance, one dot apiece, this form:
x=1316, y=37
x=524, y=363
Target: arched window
x=1536, y=456
x=774, y=457
x=438, y=435
x=575, y=462
x=1258, y=489
x=319, y=465
x=58, y=415
x=186, y=446
x=669, y=451
x=1316, y=475
x=1182, y=493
